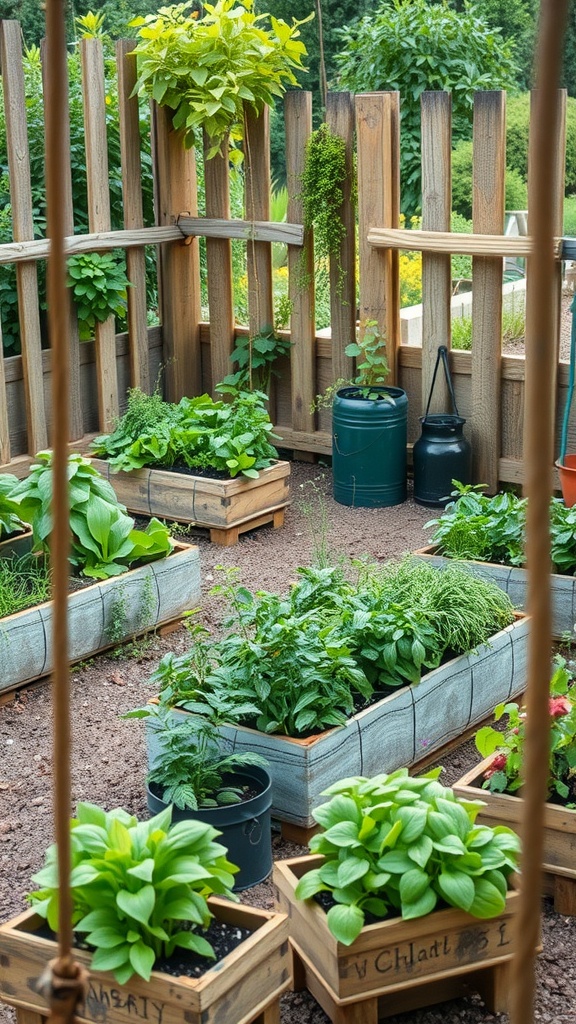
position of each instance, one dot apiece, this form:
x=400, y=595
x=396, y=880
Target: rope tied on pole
x=64, y=985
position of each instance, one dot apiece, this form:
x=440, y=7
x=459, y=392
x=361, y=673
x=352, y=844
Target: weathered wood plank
x=298, y=120
x=377, y=131
x=133, y=212
x=23, y=228
x=74, y=382
x=96, y=146
x=451, y=241
x=219, y=265
x=5, y=448
x=488, y=200
x=436, y=112
x=340, y=118
x=176, y=194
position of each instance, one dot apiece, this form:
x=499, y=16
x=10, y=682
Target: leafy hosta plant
x=395, y=845
x=104, y=541
x=506, y=749
x=139, y=889
x=231, y=438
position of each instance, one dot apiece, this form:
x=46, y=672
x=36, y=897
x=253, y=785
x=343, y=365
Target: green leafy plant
x=10, y=521
x=504, y=774
x=395, y=844
x=139, y=889
x=231, y=438
x=99, y=288
x=206, y=69
x=104, y=541
x=323, y=181
x=493, y=529
x=513, y=328
x=190, y=770
x=24, y=582
x=255, y=357
x=372, y=371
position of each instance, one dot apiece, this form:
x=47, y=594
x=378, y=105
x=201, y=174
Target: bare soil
x=108, y=755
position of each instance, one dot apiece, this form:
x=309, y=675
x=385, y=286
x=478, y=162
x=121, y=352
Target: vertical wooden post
x=340, y=119
x=257, y=205
x=378, y=141
x=133, y=215
x=488, y=196
x=176, y=193
x=219, y=265
x=75, y=413
x=94, y=102
x=23, y=227
x=436, y=113
x=298, y=115
x=4, y=422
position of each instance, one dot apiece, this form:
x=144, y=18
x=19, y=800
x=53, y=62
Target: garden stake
x=65, y=981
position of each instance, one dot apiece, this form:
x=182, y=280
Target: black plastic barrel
x=369, y=437
x=440, y=455
x=245, y=827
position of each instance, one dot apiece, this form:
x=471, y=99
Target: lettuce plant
x=394, y=844
x=139, y=889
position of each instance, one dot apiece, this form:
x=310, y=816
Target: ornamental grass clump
x=506, y=748
x=395, y=845
x=139, y=889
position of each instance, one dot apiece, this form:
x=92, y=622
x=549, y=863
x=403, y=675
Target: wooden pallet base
x=269, y=1015
x=491, y=983
x=227, y=536
x=297, y=833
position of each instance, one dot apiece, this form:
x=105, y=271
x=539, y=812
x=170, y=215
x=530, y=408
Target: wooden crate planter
x=226, y=507
x=245, y=986
x=100, y=615
x=514, y=582
x=559, y=858
x=394, y=965
x=399, y=730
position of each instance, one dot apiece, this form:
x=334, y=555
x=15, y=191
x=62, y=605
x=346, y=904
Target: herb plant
x=104, y=541
x=493, y=529
x=24, y=582
x=99, y=285
x=231, y=438
x=190, y=769
x=395, y=844
x=504, y=774
x=206, y=69
x=10, y=521
x=139, y=889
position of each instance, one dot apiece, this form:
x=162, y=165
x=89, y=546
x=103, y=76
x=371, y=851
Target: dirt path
x=108, y=758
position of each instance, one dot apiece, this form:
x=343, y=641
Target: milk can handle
x=442, y=355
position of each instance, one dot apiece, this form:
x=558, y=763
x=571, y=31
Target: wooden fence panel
x=133, y=213
x=23, y=227
x=298, y=118
x=94, y=102
x=74, y=406
x=340, y=118
x=436, y=119
x=5, y=447
x=488, y=200
x=219, y=266
x=378, y=133
x=177, y=193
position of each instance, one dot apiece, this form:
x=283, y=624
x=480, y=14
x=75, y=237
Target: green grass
x=513, y=328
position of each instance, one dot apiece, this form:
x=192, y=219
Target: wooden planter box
x=394, y=965
x=515, y=583
x=559, y=858
x=100, y=615
x=226, y=507
x=244, y=986
x=399, y=730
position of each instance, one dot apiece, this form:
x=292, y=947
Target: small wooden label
x=104, y=1001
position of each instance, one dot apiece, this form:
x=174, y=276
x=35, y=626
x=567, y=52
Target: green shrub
x=516, y=188
x=570, y=216
x=517, y=131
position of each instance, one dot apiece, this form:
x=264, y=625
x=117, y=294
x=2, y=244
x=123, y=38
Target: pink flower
x=559, y=706
x=497, y=764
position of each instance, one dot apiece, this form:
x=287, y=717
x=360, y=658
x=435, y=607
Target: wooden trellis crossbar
x=453, y=242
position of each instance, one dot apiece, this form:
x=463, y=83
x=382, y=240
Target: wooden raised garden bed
x=514, y=582
x=395, y=966
x=100, y=615
x=226, y=507
x=399, y=730
x=245, y=986
x=559, y=857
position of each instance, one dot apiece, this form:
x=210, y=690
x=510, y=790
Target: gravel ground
x=108, y=756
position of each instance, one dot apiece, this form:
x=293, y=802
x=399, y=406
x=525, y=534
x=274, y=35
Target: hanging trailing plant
x=206, y=69
x=323, y=181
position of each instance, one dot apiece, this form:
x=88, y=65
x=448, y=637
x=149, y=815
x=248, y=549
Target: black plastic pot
x=369, y=446
x=245, y=827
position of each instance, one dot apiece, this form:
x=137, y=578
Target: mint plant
x=139, y=889
x=394, y=845
x=104, y=541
